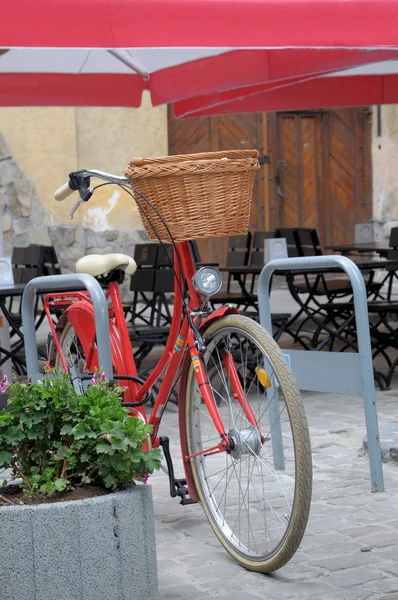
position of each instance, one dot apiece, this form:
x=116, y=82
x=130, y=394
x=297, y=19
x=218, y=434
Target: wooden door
x=321, y=172
x=229, y=132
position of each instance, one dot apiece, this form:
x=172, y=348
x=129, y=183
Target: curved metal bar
x=58, y=283
x=364, y=345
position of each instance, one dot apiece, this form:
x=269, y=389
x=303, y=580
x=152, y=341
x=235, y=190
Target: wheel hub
x=244, y=441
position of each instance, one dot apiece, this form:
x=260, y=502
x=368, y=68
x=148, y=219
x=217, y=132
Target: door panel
x=309, y=172
x=322, y=172
x=288, y=174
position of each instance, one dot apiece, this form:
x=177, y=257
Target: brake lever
x=85, y=198
x=75, y=207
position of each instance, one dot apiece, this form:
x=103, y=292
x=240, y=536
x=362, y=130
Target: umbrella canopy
x=107, y=52
x=376, y=83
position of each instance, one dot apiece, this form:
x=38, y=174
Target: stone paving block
x=296, y=589
x=382, y=554
x=181, y=592
x=352, y=593
x=210, y=558
x=390, y=568
x=172, y=579
x=388, y=585
x=360, y=500
x=382, y=540
x=327, y=525
x=339, y=563
x=238, y=596
x=215, y=571
x=356, y=576
x=167, y=564
x=365, y=532
x=315, y=540
x=333, y=549
x=298, y=573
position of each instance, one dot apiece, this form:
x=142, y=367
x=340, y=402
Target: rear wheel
x=72, y=349
x=258, y=511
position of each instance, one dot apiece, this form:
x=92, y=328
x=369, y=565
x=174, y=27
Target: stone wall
x=25, y=221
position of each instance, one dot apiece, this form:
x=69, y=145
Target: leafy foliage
x=54, y=439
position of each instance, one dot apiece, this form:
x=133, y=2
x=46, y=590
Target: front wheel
x=256, y=497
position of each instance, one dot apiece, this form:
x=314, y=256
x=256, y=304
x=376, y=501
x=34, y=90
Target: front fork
x=226, y=443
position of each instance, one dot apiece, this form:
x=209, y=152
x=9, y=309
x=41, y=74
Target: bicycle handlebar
x=77, y=177
x=63, y=192
x=80, y=181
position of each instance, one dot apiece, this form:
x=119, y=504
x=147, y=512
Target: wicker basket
x=197, y=195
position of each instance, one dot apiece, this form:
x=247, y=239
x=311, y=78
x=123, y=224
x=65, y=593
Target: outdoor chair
x=319, y=288
x=149, y=314
x=237, y=256
x=27, y=263
x=340, y=327
x=308, y=245
x=257, y=253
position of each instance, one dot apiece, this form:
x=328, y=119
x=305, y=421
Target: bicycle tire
x=267, y=561
x=63, y=334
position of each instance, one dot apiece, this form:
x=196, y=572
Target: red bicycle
x=236, y=397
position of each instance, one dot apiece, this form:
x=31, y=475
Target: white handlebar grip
x=63, y=192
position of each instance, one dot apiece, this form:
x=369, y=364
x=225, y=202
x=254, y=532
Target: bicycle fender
x=220, y=312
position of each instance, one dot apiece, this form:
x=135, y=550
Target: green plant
x=54, y=439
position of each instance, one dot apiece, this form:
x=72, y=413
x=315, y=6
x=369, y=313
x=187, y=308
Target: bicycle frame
x=181, y=346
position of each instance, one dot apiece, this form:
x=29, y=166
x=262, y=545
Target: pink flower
x=100, y=379
x=27, y=410
x=145, y=478
x=3, y=384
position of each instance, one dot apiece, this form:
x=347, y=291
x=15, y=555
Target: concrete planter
x=101, y=547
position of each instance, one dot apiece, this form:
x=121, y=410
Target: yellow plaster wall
x=48, y=143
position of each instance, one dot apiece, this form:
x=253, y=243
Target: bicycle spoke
x=250, y=500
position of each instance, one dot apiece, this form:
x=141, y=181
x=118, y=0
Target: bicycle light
x=207, y=281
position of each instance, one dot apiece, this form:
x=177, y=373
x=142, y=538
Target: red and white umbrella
x=374, y=83
x=107, y=52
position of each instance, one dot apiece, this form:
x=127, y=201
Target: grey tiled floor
x=350, y=547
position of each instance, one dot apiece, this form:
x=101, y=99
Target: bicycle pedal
x=178, y=487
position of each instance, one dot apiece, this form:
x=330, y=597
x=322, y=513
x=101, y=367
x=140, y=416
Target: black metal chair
x=149, y=314
x=308, y=245
x=239, y=247
x=340, y=326
x=27, y=263
x=257, y=253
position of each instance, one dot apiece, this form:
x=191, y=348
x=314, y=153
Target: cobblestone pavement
x=349, y=551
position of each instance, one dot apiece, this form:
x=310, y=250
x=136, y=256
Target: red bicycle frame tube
x=239, y=393
x=181, y=335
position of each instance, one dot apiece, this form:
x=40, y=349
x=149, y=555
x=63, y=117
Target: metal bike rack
x=60, y=283
x=316, y=371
